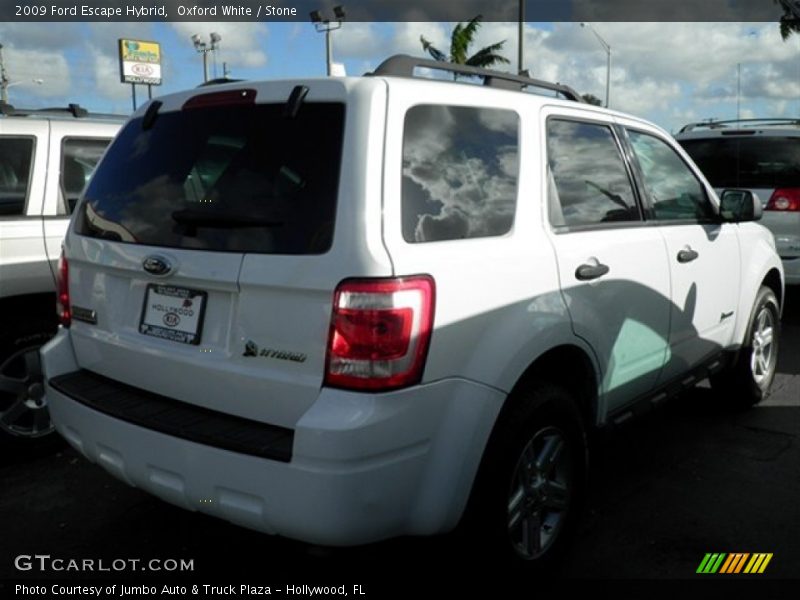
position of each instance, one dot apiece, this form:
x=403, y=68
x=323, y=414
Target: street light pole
x=321, y=23
x=203, y=47
x=3, y=79
x=7, y=86
x=520, y=35
x=607, y=48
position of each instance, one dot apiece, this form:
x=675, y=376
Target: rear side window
x=460, y=168
x=79, y=157
x=222, y=178
x=588, y=181
x=16, y=156
x=753, y=162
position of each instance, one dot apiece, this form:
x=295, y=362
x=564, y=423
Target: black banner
x=401, y=10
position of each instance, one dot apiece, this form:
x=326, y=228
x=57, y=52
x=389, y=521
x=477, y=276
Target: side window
x=79, y=157
x=673, y=188
x=460, y=168
x=588, y=181
x=16, y=157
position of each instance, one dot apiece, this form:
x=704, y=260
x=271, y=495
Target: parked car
x=46, y=158
x=347, y=309
x=762, y=155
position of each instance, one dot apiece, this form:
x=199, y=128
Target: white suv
x=342, y=310
x=46, y=158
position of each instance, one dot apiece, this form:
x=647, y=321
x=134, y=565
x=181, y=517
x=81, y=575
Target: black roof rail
x=403, y=65
x=75, y=110
x=752, y=122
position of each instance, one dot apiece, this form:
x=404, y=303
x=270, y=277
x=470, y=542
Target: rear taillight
x=785, y=200
x=380, y=331
x=62, y=292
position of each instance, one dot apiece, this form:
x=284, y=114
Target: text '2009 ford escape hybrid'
x=350, y=309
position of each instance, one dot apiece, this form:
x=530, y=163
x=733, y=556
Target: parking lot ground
x=690, y=478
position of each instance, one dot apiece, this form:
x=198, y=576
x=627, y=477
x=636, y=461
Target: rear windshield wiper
x=220, y=220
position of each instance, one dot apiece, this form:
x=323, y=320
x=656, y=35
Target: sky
x=669, y=73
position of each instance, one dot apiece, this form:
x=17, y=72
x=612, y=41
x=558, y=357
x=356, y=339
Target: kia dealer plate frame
x=173, y=313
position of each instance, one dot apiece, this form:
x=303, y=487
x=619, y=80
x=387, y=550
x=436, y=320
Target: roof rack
x=402, y=65
x=74, y=110
x=727, y=123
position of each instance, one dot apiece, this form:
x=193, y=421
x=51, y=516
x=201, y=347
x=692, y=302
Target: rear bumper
x=363, y=467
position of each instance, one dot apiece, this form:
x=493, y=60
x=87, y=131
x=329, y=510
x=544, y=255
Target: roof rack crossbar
x=402, y=65
x=726, y=122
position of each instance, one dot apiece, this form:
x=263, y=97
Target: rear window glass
x=235, y=179
x=79, y=157
x=459, y=172
x=16, y=156
x=754, y=162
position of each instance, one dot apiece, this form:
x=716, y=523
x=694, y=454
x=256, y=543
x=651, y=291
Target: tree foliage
x=461, y=39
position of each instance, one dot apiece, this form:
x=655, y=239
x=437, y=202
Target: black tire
x=542, y=425
x=24, y=419
x=747, y=380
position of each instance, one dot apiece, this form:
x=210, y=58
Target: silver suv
x=347, y=309
x=46, y=158
x=762, y=155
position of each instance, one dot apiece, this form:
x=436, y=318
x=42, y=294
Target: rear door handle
x=687, y=255
x=591, y=270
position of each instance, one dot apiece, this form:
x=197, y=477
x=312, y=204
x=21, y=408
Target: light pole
x=6, y=85
x=607, y=48
x=204, y=48
x=322, y=23
x=520, y=35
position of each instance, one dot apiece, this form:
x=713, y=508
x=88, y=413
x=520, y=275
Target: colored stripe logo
x=734, y=563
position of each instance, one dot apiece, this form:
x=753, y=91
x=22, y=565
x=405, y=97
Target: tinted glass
x=79, y=157
x=674, y=190
x=750, y=162
x=588, y=180
x=16, y=155
x=459, y=172
x=238, y=179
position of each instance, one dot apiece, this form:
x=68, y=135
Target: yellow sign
x=140, y=62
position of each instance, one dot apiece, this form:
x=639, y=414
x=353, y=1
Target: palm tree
x=790, y=20
x=460, y=41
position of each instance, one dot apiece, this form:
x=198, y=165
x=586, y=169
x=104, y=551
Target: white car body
x=359, y=466
x=34, y=216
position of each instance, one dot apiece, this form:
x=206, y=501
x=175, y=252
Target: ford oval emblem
x=156, y=265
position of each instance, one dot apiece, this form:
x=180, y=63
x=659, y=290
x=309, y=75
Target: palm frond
x=488, y=56
x=432, y=50
x=462, y=38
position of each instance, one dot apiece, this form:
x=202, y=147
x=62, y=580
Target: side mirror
x=737, y=206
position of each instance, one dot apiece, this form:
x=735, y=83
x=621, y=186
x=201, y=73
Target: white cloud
x=241, y=45
x=106, y=75
x=49, y=66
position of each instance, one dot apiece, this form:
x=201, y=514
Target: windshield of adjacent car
x=753, y=162
x=223, y=178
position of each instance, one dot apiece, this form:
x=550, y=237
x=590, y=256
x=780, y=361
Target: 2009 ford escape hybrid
x=350, y=309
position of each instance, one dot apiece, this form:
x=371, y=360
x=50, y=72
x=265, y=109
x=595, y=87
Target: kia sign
x=140, y=62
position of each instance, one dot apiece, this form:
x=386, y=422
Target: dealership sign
x=139, y=62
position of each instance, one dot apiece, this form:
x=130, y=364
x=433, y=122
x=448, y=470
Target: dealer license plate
x=173, y=313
